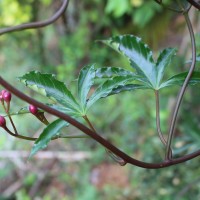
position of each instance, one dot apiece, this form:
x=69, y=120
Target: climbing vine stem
x=89, y=131
x=183, y=88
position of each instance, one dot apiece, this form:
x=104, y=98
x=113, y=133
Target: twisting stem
x=116, y=158
x=182, y=91
x=194, y=3
x=95, y=136
x=37, y=24
x=88, y=131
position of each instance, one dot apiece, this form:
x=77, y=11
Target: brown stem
x=19, y=136
x=37, y=24
x=183, y=88
x=10, y=118
x=34, y=139
x=89, y=123
x=114, y=157
x=80, y=126
x=194, y=3
x=95, y=136
x=13, y=125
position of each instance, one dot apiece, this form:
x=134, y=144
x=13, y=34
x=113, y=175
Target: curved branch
x=75, y=123
x=195, y=4
x=182, y=91
x=95, y=136
x=39, y=24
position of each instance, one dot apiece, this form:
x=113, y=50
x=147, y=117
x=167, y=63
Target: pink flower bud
x=6, y=96
x=2, y=121
x=33, y=109
x=3, y=91
x=1, y=95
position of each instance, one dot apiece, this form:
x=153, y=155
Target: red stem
x=95, y=136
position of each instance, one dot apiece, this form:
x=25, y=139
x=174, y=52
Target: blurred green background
x=80, y=169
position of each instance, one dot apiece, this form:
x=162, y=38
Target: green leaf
x=85, y=81
x=106, y=88
x=48, y=133
x=128, y=87
x=47, y=85
x=180, y=78
x=107, y=72
x=65, y=110
x=163, y=61
x=117, y=7
x=138, y=53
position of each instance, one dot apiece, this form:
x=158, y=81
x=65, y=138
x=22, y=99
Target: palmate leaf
x=141, y=59
x=162, y=62
x=138, y=53
x=49, y=86
x=127, y=87
x=107, y=87
x=108, y=72
x=180, y=78
x=85, y=81
x=51, y=131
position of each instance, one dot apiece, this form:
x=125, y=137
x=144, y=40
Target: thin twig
x=158, y=119
x=82, y=127
x=160, y=134
x=95, y=136
x=194, y=3
x=182, y=91
x=39, y=24
x=10, y=118
x=113, y=156
x=53, y=138
x=89, y=123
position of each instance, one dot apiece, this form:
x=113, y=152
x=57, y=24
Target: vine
x=147, y=74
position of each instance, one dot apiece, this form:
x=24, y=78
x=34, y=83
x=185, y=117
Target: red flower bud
x=2, y=121
x=33, y=109
x=6, y=96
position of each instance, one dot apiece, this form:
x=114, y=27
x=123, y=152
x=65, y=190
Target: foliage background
x=128, y=119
